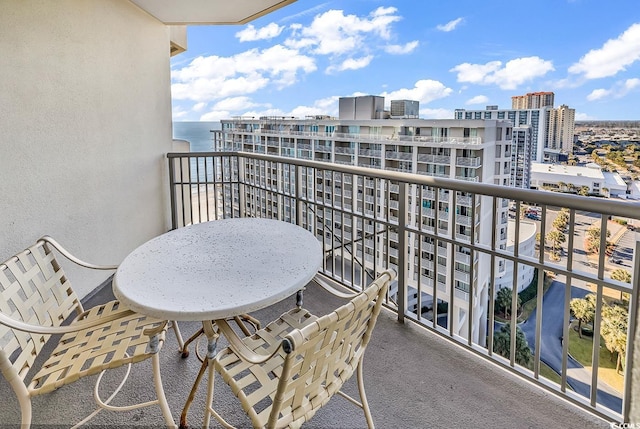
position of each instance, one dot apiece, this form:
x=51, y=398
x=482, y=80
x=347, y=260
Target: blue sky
x=300, y=59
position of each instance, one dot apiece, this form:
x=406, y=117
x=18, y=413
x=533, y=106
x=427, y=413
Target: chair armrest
x=239, y=347
x=64, y=252
x=54, y=330
x=328, y=284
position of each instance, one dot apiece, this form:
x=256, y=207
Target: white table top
x=217, y=269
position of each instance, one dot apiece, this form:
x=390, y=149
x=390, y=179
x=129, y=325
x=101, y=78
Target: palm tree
x=503, y=300
x=592, y=239
x=502, y=345
x=560, y=223
x=556, y=238
x=584, y=310
x=614, y=331
x=621, y=275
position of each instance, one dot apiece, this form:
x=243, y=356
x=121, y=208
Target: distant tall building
x=405, y=109
x=562, y=128
x=537, y=133
x=521, y=157
x=532, y=100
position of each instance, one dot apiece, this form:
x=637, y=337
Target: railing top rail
x=577, y=202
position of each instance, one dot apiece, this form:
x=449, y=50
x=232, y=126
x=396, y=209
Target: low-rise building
x=572, y=178
x=526, y=247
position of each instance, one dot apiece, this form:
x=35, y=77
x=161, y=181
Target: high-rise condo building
x=551, y=129
x=474, y=150
x=563, y=123
x=532, y=100
x=537, y=121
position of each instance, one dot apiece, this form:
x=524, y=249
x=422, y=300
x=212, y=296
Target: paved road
x=551, y=347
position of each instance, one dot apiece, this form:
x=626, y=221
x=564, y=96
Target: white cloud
x=632, y=83
x=581, y=116
x=250, y=33
x=618, y=90
x=324, y=106
x=333, y=33
x=351, y=64
x=424, y=91
x=407, y=48
x=436, y=113
x=514, y=73
x=597, y=94
x=338, y=37
x=343, y=41
x=451, y=25
x=478, y=99
x=178, y=112
x=215, y=116
x=211, y=78
x=614, y=56
x=235, y=104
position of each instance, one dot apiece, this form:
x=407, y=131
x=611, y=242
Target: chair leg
x=25, y=412
x=363, y=397
x=162, y=399
x=209, y=401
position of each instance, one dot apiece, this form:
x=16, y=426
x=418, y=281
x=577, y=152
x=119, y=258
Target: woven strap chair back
x=323, y=355
x=35, y=290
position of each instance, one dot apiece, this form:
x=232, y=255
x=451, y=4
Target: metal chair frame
x=288, y=370
x=37, y=301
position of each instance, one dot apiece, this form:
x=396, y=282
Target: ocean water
x=197, y=133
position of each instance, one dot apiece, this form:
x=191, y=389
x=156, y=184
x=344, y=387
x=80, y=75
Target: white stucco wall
x=85, y=121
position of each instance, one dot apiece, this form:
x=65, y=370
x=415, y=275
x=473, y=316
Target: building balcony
x=419, y=368
x=378, y=236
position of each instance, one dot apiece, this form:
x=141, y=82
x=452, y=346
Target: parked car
x=615, y=260
x=533, y=216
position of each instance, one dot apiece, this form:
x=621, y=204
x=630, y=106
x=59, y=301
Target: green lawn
x=581, y=349
x=550, y=374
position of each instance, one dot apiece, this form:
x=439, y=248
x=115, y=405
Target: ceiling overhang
x=209, y=12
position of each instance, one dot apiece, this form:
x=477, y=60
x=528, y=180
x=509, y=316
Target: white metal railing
x=214, y=185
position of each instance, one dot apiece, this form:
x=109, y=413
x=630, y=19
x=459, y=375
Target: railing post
x=402, y=252
x=172, y=195
x=298, y=202
x=631, y=379
x=242, y=189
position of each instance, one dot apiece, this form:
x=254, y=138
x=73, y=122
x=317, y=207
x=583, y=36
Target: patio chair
x=36, y=301
x=287, y=371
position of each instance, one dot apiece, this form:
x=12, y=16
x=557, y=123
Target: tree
x=556, y=238
x=559, y=223
x=584, y=190
x=584, y=309
x=614, y=331
x=621, y=275
x=503, y=300
x=592, y=239
x=502, y=345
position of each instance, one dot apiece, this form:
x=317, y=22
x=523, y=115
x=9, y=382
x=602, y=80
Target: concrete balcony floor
x=414, y=379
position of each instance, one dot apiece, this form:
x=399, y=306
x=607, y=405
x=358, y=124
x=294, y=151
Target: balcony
x=468, y=322
x=444, y=361
x=414, y=378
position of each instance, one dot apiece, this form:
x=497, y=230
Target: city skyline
x=300, y=59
